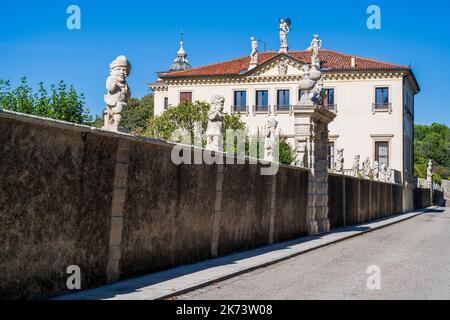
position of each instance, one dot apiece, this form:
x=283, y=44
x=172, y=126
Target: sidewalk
x=166, y=284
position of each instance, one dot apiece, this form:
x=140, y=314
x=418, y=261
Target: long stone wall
x=116, y=206
x=353, y=201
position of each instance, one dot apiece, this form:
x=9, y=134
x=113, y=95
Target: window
x=283, y=101
x=262, y=100
x=381, y=98
x=382, y=152
x=185, y=96
x=329, y=99
x=166, y=103
x=240, y=101
x=330, y=155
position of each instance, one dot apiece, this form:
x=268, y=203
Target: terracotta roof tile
x=331, y=60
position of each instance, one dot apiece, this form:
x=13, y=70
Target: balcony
x=239, y=109
x=283, y=108
x=381, y=107
x=261, y=109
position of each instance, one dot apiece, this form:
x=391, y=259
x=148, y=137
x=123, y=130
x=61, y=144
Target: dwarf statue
x=367, y=170
x=376, y=170
x=118, y=93
x=271, y=140
x=300, y=161
x=339, y=166
x=215, y=123
x=383, y=173
x=355, y=168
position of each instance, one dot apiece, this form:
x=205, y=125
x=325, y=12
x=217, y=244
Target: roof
x=331, y=60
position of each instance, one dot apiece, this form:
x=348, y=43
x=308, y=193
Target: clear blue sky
x=35, y=42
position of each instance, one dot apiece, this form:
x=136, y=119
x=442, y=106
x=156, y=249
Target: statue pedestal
x=283, y=49
x=311, y=129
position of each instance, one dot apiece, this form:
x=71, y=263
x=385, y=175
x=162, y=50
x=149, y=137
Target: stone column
x=311, y=125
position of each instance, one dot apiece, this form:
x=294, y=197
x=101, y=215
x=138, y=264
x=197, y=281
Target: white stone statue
x=383, y=173
x=215, y=123
x=254, y=56
x=367, y=170
x=318, y=93
x=282, y=68
x=270, y=142
x=355, y=168
x=430, y=170
x=118, y=93
x=339, y=166
x=376, y=170
x=391, y=175
x=316, y=45
x=285, y=28
x=301, y=154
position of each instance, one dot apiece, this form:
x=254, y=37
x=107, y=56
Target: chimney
x=353, y=63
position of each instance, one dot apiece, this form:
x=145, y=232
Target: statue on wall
x=430, y=170
x=301, y=154
x=390, y=175
x=383, y=173
x=376, y=170
x=318, y=94
x=285, y=28
x=215, y=123
x=367, y=170
x=271, y=140
x=340, y=161
x=118, y=93
x=254, y=56
x=316, y=45
x=355, y=168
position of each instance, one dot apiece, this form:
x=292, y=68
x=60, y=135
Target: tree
x=432, y=142
x=138, y=111
x=287, y=153
x=62, y=104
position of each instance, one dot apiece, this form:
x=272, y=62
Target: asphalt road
x=413, y=257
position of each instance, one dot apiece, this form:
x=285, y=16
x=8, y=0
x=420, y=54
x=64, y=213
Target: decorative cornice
x=330, y=76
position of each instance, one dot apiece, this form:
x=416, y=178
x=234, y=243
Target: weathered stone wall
x=55, y=195
x=117, y=207
x=353, y=201
x=422, y=198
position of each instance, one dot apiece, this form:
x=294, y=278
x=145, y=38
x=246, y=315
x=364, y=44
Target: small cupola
x=181, y=62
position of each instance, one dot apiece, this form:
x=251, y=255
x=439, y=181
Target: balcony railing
x=239, y=109
x=261, y=109
x=283, y=108
x=382, y=107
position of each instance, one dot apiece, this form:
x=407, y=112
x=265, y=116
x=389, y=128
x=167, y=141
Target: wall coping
x=362, y=179
x=48, y=122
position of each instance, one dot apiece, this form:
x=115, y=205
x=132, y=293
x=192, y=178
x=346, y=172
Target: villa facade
x=373, y=100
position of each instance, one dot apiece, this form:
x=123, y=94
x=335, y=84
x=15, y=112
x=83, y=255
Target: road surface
x=413, y=259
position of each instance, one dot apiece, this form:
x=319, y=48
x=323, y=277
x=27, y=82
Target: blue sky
x=35, y=42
